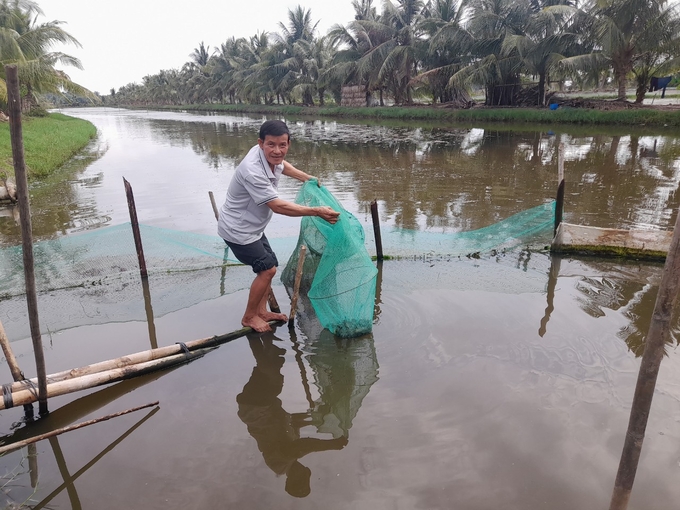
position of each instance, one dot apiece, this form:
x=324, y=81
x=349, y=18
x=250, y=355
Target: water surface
x=503, y=381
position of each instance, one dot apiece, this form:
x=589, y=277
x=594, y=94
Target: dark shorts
x=259, y=255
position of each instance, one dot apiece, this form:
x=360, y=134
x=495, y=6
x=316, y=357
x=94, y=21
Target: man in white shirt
x=252, y=198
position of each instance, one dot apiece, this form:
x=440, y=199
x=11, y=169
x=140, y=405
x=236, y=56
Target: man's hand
x=318, y=182
x=327, y=214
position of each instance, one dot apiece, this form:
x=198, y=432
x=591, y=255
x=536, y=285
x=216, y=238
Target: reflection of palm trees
x=632, y=294
x=276, y=431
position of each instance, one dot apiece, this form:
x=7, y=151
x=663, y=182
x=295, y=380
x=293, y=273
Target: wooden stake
x=559, y=203
x=149, y=313
x=17, y=374
x=214, y=205
x=135, y=228
x=657, y=336
x=376, y=230
x=35, y=439
x=14, y=104
x=296, y=285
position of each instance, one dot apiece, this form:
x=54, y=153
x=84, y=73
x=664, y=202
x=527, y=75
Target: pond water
x=503, y=381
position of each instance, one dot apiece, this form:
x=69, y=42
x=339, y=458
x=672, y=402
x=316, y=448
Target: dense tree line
x=439, y=50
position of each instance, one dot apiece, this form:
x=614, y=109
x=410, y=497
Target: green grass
x=49, y=142
x=564, y=115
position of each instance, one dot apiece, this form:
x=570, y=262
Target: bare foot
x=257, y=323
x=271, y=316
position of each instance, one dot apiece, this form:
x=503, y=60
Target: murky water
x=499, y=382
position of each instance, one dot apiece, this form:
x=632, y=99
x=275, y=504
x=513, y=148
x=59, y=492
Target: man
x=252, y=198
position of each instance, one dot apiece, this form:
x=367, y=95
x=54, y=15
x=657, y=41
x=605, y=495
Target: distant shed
x=353, y=96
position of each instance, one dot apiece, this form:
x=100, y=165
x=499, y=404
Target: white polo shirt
x=245, y=214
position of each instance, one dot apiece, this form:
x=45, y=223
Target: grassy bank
x=49, y=142
x=638, y=116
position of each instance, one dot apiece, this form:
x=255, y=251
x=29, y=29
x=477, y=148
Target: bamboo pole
x=214, y=205
x=658, y=334
x=296, y=285
x=55, y=389
x=559, y=201
x=135, y=229
x=376, y=230
x=47, y=435
x=14, y=104
x=136, y=358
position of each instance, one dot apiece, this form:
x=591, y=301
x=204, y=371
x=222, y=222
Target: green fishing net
x=339, y=277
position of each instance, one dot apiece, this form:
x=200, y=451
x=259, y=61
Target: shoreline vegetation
x=49, y=142
x=592, y=113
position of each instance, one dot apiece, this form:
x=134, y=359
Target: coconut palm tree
x=624, y=31
x=27, y=43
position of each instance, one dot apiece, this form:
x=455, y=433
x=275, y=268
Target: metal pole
x=14, y=103
x=135, y=228
x=657, y=336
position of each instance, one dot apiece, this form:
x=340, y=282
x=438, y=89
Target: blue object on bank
x=554, y=106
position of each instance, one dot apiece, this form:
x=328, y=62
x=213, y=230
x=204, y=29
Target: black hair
x=273, y=128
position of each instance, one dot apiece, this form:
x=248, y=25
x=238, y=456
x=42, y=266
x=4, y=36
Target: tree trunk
x=541, y=89
x=621, y=78
x=640, y=91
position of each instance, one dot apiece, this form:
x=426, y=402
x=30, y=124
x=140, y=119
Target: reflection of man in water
x=276, y=431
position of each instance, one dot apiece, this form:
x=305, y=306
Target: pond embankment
x=586, y=112
x=49, y=142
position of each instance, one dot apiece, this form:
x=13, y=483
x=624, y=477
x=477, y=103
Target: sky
x=125, y=40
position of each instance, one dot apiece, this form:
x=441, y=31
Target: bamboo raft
x=636, y=244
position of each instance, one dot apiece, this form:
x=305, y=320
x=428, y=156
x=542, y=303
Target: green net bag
x=338, y=274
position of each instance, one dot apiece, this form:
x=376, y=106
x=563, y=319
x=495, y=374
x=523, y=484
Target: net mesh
x=343, y=277
x=93, y=277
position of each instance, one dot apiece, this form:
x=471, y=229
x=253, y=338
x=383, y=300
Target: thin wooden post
x=376, y=230
x=17, y=374
x=655, y=341
x=53, y=433
x=32, y=455
x=296, y=285
x=14, y=103
x=135, y=229
x=559, y=203
x=149, y=313
x=214, y=205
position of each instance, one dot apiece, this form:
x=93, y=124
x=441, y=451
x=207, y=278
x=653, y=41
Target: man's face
x=275, y=148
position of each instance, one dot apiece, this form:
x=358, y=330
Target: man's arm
x=293, y=172
x=280, y=206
